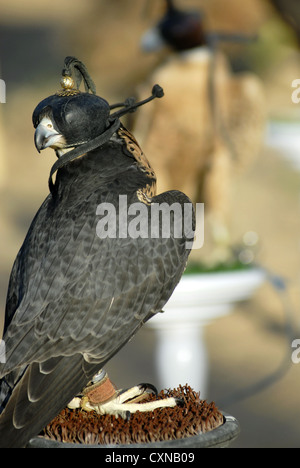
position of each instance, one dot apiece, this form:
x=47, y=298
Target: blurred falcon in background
x=76, y=297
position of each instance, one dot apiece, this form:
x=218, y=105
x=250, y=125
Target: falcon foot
x=101, y=396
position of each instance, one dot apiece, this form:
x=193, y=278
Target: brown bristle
x=194, y=417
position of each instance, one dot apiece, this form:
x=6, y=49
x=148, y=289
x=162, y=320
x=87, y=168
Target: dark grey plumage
x=75, y=299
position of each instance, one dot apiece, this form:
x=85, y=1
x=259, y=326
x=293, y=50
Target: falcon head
x=67, y=120
x=71, y=119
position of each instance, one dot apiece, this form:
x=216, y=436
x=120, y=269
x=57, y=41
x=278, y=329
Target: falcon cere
x=133, y=221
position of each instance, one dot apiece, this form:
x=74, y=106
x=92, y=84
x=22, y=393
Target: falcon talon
x=75, y=299
x=180, y=402
x=148, y=386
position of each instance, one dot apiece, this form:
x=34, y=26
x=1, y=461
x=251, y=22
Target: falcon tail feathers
x=38, y=398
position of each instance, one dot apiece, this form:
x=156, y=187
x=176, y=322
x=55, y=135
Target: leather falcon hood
x=79, y=118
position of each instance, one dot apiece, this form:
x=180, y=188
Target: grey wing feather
x=72, y=304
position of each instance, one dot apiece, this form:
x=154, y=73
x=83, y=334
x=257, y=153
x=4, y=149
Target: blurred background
x=247, y=171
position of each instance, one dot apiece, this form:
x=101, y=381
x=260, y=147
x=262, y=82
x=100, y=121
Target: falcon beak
x=46, y=136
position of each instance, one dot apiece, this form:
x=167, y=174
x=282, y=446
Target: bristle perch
x=194, y=417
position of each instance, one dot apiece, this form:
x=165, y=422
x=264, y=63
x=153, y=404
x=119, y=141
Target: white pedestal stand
x=198, y=299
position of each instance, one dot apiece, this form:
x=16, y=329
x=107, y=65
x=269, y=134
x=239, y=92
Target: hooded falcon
x=81, y=285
